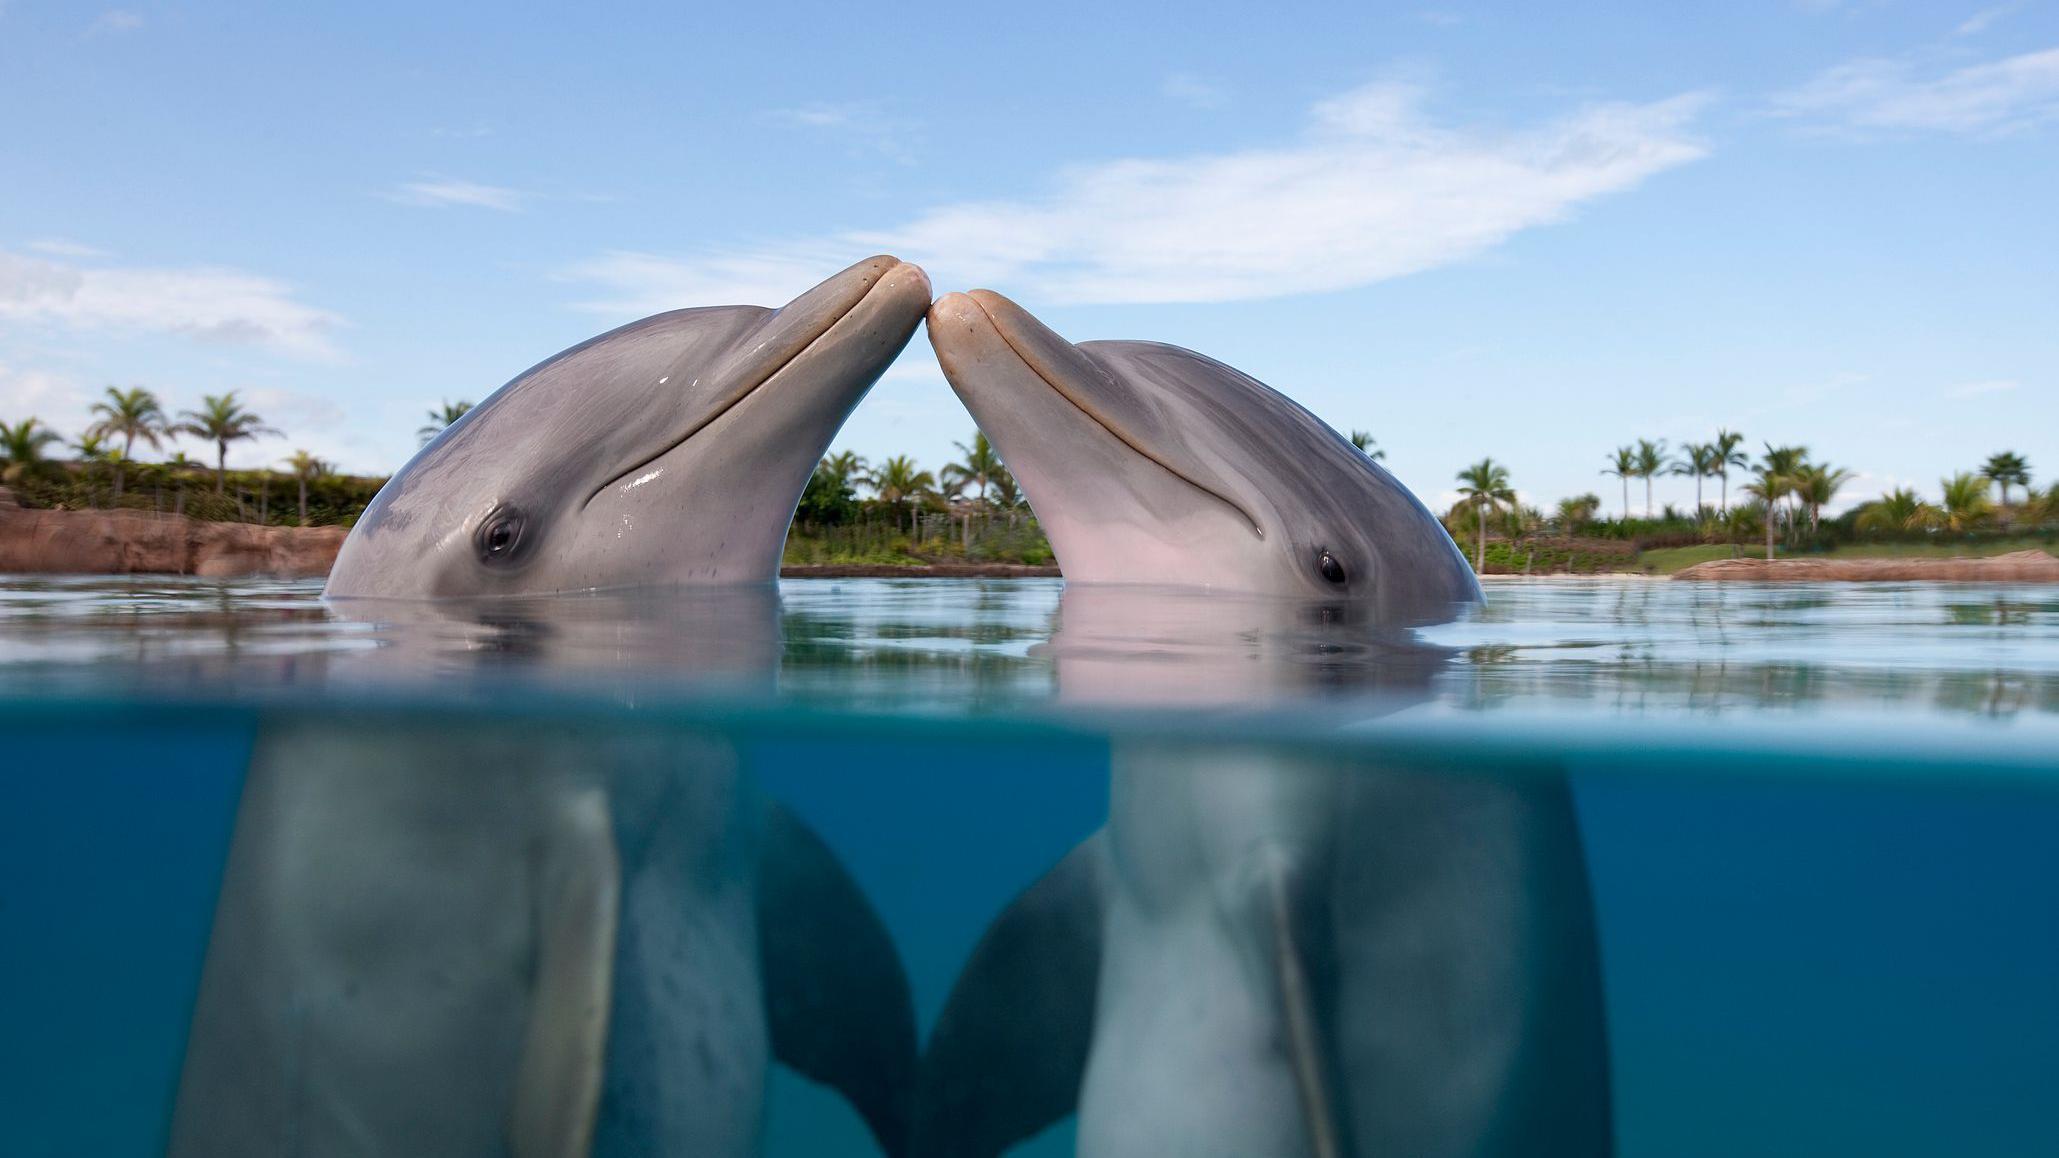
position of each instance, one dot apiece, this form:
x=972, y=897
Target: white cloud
x=442, y=193
x=1370, y=189
x=1194, y=92
x=114, y=22
x=864, y=126
x=203, y=302
x=53, y=400
x=1987, y=386
x=1979, y=22
x=2014, y=93
x=60, y=247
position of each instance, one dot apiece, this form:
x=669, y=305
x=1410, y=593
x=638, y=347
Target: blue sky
x=1472, y=229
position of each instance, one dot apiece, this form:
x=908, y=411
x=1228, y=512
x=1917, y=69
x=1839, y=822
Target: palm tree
x=1965, y=501
x=1486, y=485
x=1786, y=463
x=845, y=466
x=2005, y=469
x=1768, y=487
x=1008, y=494
x=306, y=468
x=1727, y=456
x=977, y=468
x=1651, y=459
x=1815, y=485
x=221, y=420
x=1897, y=510
x=21, y=449
x=898, y=482
x=129, y=415
x=1364, y=440
x=92, y=450
x=1624, y=466
x=440, y=417
x=1577, y=512
x=1697, y=459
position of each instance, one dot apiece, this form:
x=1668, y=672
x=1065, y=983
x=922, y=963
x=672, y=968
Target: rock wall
x=2016, y=567
x=123, y=542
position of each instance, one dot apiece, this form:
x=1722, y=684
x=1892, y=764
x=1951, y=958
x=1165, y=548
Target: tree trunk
x=221, y=465
x=1481, y=518
x=1769, y=534
x=1626, y=498
x=303, y=502
x=1698, y=494
x=1647, y=496
x=1725, y=476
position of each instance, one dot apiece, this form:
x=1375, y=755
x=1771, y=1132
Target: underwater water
x=1678, y=868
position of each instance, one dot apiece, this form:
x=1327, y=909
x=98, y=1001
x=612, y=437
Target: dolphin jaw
x=792, y=333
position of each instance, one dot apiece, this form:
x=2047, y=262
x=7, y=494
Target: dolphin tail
x=837, y=1001
x=1008, y=1054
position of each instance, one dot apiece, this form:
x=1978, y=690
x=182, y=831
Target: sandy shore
x=2017, y=567
x=125, y=542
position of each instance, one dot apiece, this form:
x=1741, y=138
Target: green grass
x=1945, y=550
x=1667, y=560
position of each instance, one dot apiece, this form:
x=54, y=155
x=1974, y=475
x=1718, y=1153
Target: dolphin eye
x=500, y=535
x=1332, y=570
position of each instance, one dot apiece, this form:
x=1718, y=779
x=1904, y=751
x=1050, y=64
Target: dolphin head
x=671, y=451
x=1150, y=464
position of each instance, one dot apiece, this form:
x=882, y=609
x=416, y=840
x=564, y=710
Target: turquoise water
x=1802, y=842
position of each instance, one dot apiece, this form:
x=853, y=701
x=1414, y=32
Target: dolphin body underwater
x=531, y=938
x=1261, y=952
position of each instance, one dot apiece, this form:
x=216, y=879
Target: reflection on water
x=1612, y=645
x=1246, y=877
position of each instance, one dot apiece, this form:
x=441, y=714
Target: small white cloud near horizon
x=1987, y=386
x=1889, y=94
x=444, y=193
x=1370, y=189
x=207, y=303
x=115, y=22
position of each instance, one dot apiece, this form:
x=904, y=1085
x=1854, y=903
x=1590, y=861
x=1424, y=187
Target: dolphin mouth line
x=1112, y=432
x=768, y=375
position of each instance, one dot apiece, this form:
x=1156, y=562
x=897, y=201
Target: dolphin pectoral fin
x=1007, y=1057
x=558, y=1084
x=837, y=1001
x=1298, y=1004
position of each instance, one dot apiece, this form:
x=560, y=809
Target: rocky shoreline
x=126, y=542
x=2015, y=567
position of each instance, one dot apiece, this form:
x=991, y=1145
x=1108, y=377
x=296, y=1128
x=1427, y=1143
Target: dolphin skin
x=1150, y=464
x=1267, y=952
x=671, y=451
x=501, y=937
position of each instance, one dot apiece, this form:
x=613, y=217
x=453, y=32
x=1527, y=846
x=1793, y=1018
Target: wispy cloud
x=63, y=247
x=1192, y=91
x=52, y=399
x=201, y=302
x=863, y=126
x=115, y=22
x=1892, y=94
x=1986, y=386
x=443, y=193
x=1371, y=188
x=1979, y=22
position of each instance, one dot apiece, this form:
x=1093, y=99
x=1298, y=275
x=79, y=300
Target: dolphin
x=670, y=451
x=1151, y=464
x=450, y=933
x=1264, y=950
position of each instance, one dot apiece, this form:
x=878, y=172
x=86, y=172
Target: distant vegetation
x=1781, y=496
x=971, y=509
